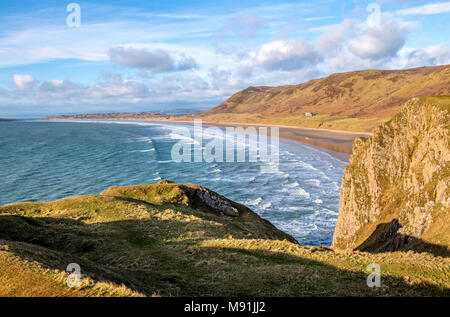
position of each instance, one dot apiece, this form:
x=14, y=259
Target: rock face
x=395, y=190
x=218, y=202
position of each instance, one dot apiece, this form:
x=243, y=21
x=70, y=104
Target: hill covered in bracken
x=370, y=96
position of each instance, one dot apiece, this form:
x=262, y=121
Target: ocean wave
x=176, y=136
x=144, y=139
x=266, y=205
x=301, y=192
x=313, y=182
x=254, y=202
x=307, y=166
x=143, y=151
x=297, y=227
x=304, y=191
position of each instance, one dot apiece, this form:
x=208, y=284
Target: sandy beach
x=330, y=140
x=336, y=142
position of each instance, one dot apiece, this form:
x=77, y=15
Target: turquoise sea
x=43, y=161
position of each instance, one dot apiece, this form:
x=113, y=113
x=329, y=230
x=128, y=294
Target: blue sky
x=162, y=55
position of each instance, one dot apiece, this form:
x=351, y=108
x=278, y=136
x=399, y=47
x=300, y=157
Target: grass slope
x=161, y=240
x=354, y=101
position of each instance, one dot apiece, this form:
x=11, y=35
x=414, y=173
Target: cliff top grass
x=162, y=240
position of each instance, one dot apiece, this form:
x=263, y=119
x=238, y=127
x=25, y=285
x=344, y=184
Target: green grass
x=162, y=240
x=322, y=121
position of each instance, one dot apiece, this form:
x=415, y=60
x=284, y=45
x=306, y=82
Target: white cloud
x=56, y=82
x=242, y=26
x=157, y=61
x=174, y=16
x=286, y=55
x=427, y=9
x=119, y=87
x=354, y=44
x=319, y=18
x=186, y=63
x=336, y=36
x=24, y=81
x=379, y=41
x=160, y=50
x=91, y=41
x=114, y=91
x=428, y=56
x=324, y=28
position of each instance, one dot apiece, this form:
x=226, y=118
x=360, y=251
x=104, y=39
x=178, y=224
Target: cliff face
x=395, y=190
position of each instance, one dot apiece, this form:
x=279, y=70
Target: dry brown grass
x=354, y=101
x=23, y=278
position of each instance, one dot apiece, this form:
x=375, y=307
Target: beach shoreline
x=335, y=142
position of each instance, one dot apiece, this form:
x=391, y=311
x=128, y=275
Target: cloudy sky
x=162, y=55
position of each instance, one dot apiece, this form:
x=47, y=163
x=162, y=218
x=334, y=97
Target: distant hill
x=362, y=94
x=354, y=101
x=369, y=95
x=109, y=116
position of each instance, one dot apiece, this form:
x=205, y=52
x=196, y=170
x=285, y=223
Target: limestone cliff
x=395, y=190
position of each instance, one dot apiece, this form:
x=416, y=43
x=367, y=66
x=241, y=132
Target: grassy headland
x=163, y=240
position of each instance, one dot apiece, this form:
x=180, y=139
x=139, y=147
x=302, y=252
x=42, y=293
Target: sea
x=47, y=160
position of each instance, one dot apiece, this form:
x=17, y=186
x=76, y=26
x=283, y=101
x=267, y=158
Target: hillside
x=356, y=101
x=168, y=239
x=395, y=191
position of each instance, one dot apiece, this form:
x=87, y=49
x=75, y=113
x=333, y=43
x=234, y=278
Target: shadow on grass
x=386, y=238
x=154, y=257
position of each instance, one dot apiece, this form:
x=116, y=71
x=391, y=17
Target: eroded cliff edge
x=395, y=190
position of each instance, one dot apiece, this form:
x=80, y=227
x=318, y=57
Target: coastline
x=304, y=169
x=335, y=142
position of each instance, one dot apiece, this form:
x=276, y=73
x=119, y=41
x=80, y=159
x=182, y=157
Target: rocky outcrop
x=216, y=201
x=395, y=190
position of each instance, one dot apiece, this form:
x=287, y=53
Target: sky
x=62, y=57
